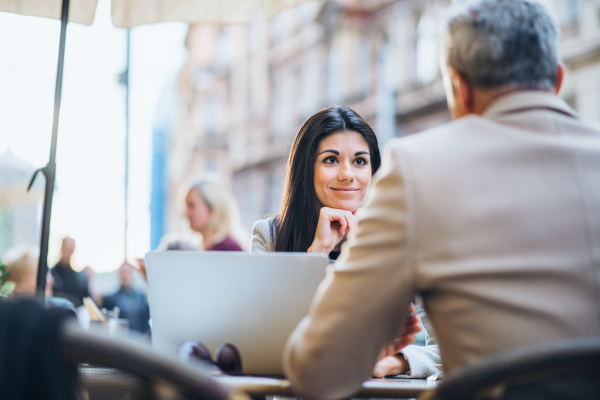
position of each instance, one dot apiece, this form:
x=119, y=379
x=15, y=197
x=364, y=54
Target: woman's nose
x=346, y=173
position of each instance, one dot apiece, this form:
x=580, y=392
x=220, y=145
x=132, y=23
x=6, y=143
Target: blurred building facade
x=245, y=90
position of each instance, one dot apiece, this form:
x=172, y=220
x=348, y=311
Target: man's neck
x=483, y=99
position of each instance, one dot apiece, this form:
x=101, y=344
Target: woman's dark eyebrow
x=337, y=153
x=360, y=153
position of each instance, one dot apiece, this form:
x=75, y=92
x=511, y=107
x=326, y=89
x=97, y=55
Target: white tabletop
x=374, y=388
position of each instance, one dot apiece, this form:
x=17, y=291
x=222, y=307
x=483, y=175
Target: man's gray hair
x=495, y=43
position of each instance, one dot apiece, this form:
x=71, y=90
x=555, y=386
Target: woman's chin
x=351, y=206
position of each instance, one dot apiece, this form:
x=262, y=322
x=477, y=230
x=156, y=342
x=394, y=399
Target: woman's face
x=342, y=171
x=196, y=211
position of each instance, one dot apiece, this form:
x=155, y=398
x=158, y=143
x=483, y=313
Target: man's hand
x=389, y=363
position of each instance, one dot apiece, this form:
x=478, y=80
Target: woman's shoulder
x=264, y=225
x=263, y=235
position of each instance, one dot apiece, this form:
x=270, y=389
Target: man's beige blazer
x=493, y=219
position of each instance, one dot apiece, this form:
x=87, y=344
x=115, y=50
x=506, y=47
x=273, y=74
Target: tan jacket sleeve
x=362, y=303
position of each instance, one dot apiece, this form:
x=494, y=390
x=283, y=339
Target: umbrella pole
x=126, y=79
x=50, y=169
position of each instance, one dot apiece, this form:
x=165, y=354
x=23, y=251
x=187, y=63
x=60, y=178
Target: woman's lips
x=345, y=189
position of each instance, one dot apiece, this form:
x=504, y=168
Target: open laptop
x=251, y=301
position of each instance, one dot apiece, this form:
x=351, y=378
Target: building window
x=301, y=92
x=275, y=191
x=336, y=73
x=283, y=25
x=362, y=66
x=570, y=12
x=277, y=107
x=426, y=50
x=222, y=51
x=212, y=115
x=309, y=86
x=211, y=165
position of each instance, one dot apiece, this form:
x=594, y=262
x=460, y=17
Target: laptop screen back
x=251, y=301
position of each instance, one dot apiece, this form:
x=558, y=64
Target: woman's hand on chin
x=334, y=224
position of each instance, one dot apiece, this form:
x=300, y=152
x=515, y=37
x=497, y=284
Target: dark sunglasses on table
x=227, y=358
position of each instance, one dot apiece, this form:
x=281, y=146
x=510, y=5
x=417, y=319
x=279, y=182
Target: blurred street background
x=221, y=99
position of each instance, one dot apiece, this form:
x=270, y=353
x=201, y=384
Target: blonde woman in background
x=213, y=212
x=22, y=265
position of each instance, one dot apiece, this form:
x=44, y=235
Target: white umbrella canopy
x=130, y=13
x=15, y=175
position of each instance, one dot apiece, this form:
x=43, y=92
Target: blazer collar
x=521, y=101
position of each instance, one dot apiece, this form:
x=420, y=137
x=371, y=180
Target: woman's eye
x=330, y=160
x=361, y=161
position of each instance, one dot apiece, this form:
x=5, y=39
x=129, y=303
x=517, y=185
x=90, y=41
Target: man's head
x=497, y=46
x=68, y=247
x=126, y=275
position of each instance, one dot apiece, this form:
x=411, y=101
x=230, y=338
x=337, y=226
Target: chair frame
x=565, y=358
x=133, y=357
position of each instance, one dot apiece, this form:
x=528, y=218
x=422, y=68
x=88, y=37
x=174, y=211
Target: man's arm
x=361, y=305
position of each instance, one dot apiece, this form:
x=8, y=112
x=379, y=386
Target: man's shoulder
x=440, y=135
x=110, y=301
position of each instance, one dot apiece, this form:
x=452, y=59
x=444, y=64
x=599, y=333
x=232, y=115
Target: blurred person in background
x=132, y=303
x=213, y=212
x=22, y=266
x=170, y=241
x=68, y=283
x=331, y=163
x=92, y=284
x=179, y=241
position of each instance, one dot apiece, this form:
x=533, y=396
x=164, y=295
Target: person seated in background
x=493, y=218
x=133, y=305
x=22, y=266
x=331, y=163
x=213, y=212
x=179, y=241
x=68, y=283
x=92, y=284
x=173, y=241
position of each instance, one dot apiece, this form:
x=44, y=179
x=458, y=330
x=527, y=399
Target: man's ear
x=463, y=92
x=560, y=75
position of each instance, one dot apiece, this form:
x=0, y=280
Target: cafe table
x=257, y=387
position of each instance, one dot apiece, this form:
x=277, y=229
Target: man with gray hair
x=494, y=218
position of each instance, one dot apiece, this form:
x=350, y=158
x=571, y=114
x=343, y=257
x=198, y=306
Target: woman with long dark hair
x=330, y=167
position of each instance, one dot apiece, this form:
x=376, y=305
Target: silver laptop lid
x=251, y=301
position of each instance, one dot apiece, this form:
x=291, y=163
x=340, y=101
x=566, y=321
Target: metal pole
x=50, y=169
x=127, y=139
